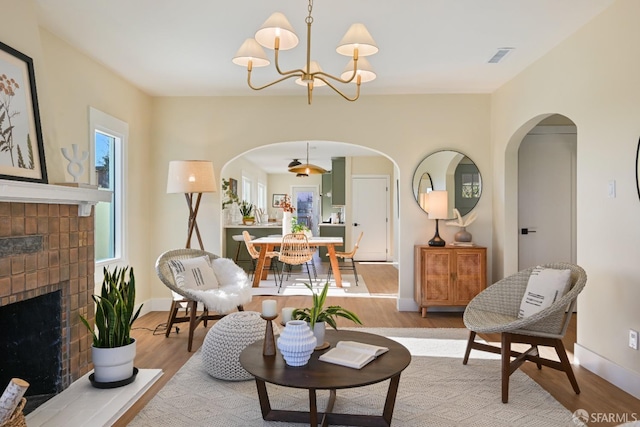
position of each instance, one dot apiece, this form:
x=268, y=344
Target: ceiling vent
x=500, y=54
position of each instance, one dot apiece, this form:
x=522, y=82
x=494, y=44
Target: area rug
x=435, y=390
x=296, y=286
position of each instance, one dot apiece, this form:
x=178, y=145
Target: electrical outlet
x=633, y=339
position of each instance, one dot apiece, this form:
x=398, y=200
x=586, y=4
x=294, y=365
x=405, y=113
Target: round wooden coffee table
x=317, y=375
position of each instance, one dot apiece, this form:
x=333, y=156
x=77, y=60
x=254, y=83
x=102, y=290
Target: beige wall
x=592, y=79
x=68, y=82
x=404, y=128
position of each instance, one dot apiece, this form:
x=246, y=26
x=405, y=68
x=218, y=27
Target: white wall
x=404, y=128
x=592, y=78
x=67, y=83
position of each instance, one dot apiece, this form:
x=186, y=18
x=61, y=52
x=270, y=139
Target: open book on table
x=352, y=354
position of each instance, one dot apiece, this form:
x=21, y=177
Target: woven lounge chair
x=234, y=290
x=495, y=310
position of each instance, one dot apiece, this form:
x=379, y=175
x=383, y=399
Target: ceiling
x=184, y=48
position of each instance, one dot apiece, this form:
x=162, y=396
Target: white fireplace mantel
x=66, y=194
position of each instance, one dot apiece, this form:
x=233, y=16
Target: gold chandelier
x=278, y=34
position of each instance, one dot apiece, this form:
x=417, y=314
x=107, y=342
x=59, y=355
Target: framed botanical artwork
x=277, y=200
x=233, y=186
x=21, y=146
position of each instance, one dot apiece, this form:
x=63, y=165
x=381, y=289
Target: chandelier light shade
x=277, y=34
x=306, y=169
x=251, y=52
x=365, y=71
x=191, y=177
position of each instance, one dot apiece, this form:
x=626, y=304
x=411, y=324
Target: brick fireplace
x=45, y=248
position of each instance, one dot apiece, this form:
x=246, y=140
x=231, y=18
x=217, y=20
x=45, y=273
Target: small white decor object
x=75, y=166
x=296, y=343
x=269, y=308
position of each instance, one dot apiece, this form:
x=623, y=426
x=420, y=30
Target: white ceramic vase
x=296, y=343
x=286, y=223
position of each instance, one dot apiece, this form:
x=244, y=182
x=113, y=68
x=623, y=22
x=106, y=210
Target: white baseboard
x=622, y=378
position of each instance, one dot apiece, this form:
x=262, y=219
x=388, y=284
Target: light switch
x=612, y=189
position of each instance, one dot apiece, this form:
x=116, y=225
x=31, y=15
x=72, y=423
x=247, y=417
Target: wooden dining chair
x=347, y=256
x=255, y=254
x=295, y=250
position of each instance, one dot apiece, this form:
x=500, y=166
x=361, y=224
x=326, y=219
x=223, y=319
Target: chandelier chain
x=309, y=19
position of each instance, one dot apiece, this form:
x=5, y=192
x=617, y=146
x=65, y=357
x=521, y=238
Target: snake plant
x=114, y=309
x=318, y=313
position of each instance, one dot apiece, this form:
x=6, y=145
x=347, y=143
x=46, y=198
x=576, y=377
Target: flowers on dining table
x=286, y=205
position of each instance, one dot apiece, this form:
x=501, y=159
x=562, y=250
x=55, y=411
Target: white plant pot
x=318, y=331
x=113, y=364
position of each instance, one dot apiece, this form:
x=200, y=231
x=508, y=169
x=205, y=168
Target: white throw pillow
x=545, y=286
x=194, y=273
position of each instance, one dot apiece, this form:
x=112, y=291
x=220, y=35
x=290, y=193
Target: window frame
x=119, y=130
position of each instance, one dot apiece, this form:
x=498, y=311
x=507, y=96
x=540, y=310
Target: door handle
x=526, y=231
x=355, y=224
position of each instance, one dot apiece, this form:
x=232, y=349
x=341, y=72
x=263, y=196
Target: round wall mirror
x=451, y=171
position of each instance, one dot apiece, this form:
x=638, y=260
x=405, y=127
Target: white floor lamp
x=191, y=177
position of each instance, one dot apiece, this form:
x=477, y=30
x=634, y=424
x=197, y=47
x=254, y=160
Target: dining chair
x=347, y=256
x=295, y=250
x=255, y=254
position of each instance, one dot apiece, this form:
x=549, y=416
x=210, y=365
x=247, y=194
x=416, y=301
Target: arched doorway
x=540, y=192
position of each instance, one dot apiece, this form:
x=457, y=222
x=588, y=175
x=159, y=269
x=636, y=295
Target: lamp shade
x=191, y=176
x=277, y=26
x=251, y=51
x=438, y=205
x=357, y=37
x=365, y=71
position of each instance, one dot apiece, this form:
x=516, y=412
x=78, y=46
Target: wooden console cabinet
x=449, y=275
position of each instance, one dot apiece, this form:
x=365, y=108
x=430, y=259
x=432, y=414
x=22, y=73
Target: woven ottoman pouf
x=226, y=340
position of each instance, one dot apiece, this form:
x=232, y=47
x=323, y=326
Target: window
x=261, y=203
x=108, y=138
x=246, y=189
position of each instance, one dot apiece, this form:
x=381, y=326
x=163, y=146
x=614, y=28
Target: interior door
x=370, y=214
x=306, y=202
x=546, y=198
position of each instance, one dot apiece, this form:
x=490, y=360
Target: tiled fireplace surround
x=46, y=247
x=51, y=250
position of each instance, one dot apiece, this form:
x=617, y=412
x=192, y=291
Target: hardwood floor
x=169, y=354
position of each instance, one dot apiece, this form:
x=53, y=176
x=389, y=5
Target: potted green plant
x=246, y=209
x=298, y=227
x=318, y=316
x=113, y=349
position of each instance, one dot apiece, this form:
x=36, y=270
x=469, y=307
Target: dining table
x=267, y=244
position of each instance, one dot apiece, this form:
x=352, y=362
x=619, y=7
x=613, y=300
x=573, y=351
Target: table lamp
x=438, y=209
x=191, y=177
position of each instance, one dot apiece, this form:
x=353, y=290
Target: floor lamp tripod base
x=437, y=240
